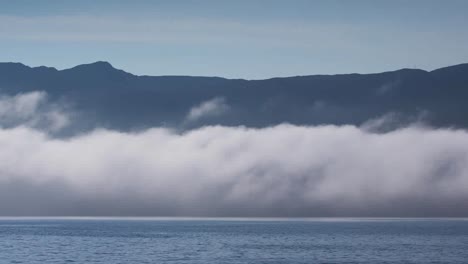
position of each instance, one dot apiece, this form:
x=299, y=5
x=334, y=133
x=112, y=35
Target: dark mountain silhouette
x=113, y=98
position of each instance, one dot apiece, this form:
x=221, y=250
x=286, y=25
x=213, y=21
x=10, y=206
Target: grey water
x=184, y=240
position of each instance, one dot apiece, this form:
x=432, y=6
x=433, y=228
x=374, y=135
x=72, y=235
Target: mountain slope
x=116, y=99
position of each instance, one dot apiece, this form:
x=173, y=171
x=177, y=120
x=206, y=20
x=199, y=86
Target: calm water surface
x=233, y=241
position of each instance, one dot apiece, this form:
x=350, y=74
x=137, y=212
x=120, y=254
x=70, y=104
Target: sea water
x=182, y=240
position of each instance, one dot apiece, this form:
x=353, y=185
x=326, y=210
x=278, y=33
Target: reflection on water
x=193, y=240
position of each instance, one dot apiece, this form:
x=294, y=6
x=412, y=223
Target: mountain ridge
x=121, y=100
x=105, y=64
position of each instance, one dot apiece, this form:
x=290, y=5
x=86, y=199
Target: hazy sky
x=246, y=39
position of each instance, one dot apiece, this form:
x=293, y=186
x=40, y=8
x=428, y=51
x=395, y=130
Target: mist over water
x=283, y=170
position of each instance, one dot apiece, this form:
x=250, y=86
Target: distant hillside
x=116, y=99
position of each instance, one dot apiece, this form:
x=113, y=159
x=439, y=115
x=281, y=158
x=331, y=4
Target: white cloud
x=278, y=171
x=157, y=29
x=31, y=109
x=21, y=106
x=209, y=108
x=283, y=170
x=160, y=29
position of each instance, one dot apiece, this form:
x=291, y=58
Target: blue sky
x=236, y=39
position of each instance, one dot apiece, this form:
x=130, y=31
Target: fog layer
x=283, y=170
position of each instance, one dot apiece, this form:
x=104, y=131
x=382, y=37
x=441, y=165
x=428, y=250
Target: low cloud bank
x=283, y=170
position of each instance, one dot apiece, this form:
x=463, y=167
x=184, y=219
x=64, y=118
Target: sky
x=236, y=39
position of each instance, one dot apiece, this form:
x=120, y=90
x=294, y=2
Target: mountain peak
x=95, y=66
x=101, y=64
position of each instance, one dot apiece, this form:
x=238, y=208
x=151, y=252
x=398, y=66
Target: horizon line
x=245, y=79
